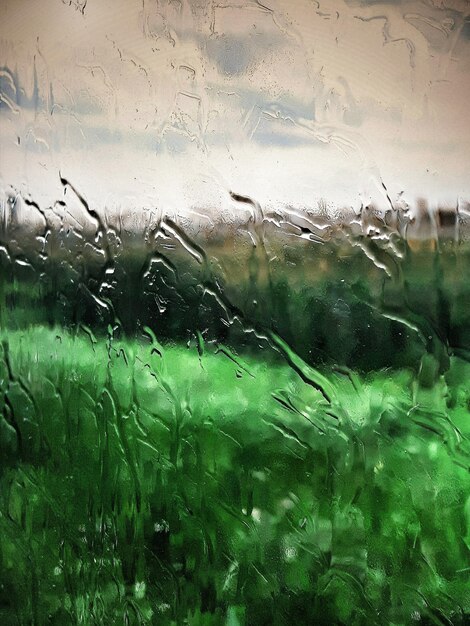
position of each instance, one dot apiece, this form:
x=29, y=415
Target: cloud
x=326, y=96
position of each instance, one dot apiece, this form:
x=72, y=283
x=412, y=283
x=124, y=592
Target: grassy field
x=144, y=483
x=211, y=432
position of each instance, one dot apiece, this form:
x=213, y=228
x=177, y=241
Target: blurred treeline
x=365, y=301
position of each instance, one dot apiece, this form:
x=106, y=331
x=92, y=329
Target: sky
x=176, y=103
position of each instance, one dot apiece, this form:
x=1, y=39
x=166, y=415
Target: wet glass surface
x=234, y=312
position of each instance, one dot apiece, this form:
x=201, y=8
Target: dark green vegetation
x=357, y=301
x=269, y=436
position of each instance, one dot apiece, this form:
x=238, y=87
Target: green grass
x=161, y=484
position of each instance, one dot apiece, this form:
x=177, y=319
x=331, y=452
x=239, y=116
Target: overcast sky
x=174, y=103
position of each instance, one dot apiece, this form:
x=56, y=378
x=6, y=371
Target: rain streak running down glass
x=235, y=312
